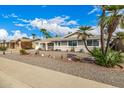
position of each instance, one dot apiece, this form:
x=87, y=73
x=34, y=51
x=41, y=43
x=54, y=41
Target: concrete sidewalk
x=19, y=74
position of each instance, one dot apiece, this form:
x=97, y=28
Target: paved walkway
x=17, y=74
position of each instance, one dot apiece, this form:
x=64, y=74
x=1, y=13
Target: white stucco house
x=68, y=43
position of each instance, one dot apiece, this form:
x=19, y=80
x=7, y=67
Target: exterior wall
x=6, y=44
x=76, y=48
x=20, y=44
x=64, y=46
x=25, y=44
x=42, y=46
x=69, y=48
x=12, y=45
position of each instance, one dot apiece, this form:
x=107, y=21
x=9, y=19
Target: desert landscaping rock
x=17, y=74
x=90, y=71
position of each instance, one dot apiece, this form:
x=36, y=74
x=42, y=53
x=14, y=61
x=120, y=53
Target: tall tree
x=82, y=33
x=33, y=35
x=46, y=33
x=102, y=26
x=111, y=21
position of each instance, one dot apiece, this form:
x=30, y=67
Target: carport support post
x=46, y=46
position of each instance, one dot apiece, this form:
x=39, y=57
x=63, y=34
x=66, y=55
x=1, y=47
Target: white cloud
x=95, y=31
x=118, y=30
x=21, y=25
x=17, y=34
x=121, y=11
x=57, y=25
x=53, y=25
x=23, y=20
x=3, y=34
x=13, y=15
x=62, y=20
x=9, y=15
x=5, y=16
x=95, y=9
x=58, y=20
x=72, y=22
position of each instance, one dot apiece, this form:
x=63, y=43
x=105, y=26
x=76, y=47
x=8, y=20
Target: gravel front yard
x=110, y=76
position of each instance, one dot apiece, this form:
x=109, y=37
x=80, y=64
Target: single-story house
x=117, y=44
x=68, y=43
x=45, y=44
x=6, y=44
x=23, y=43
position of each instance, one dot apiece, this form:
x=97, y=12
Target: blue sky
x=55, y=18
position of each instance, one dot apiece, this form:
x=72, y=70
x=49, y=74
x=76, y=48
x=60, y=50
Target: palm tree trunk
x=102, y=41
x=111, y=28
x=102, y=31
x=108, y=41
x=87, y=47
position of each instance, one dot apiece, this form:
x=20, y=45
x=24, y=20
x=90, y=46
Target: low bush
x=57, y=49
x=81, y=51
x=3, y=48
x=111, y=59
x=23, y=52
x=72, y=49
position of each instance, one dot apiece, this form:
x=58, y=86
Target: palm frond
x=114, y=7
x=45, y=32
x=85, y=28
x=82, y=32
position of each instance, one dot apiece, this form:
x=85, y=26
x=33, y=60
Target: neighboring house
x=6, y=44
x=20, y=44
x=45, y=44
x=68, y=43
x=117, y=44
x=34, y=42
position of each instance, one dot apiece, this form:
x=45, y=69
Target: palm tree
x=83, y=35
x=33, y=35
x=118, y=42
x=102, y=26
x=112, y=20
x=45, y=32
x=57, y=35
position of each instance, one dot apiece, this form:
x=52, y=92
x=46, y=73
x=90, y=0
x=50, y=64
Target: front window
x=95, y=42
x=63, y=43
x=89, y=42
x=55, y=43
x=41, y=43
x=72, y=43
x=58, y=43
x=36, y=43
x=80, y=42
x=92, y=42
x=50, y=44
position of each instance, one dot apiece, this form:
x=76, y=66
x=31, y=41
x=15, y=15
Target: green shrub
x=23, y=52
x=111, y=59
x=81, y=51
x=3, y=48
x=72, y=49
